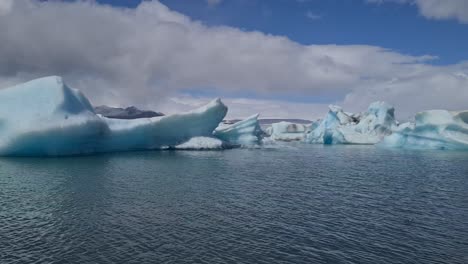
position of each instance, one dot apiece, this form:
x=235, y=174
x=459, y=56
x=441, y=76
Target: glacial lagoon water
x=295, y=204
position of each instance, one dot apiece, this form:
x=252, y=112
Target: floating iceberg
x=287, y=131
x=243, y=133
x=339, y=127
x=45, y=117
x=204, y=143
x=434, y=129
x=246, y=132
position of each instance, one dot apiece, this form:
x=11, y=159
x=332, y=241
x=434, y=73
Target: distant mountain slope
x=270, y=121
x=125, y=113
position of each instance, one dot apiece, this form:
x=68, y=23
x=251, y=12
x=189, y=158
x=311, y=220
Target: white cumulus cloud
x=437, y=9
x=148, y=55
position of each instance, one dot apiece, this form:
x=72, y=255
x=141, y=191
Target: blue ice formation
x=287, y=131
x=339, y=127
x=45, y=117
x=243, y=133
x=246, y=132
x=434, y=129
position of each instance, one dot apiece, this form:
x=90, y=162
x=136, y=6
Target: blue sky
x=343, y=22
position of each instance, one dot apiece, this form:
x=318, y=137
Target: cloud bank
x=150, y=55
x=437, y=9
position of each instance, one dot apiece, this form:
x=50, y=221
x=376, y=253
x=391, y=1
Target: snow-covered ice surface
x=204, y=143
x=434, y=129
x=45, y=117
x=246, y=132
x=339, y=127
x=287, y=131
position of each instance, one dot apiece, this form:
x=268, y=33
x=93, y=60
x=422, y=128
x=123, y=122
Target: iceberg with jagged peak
x=246, y=132
x=339, y=127
x=45, y=117
x=434, y=129
x=287, y=131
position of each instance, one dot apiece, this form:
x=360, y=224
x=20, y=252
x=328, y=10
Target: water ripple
x=303, y=204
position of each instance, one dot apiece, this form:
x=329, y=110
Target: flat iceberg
x=339, y=127
x=204, y=143
x=246, y=132
x=434, y=129
x=45, y=117
x=287, y=131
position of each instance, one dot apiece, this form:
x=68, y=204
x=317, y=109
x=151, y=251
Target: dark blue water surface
x=299, y=204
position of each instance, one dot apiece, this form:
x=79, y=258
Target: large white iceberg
x=434, y=129
x=287, y=131
x=46, y=117
x=246, y=132
x=339, y=127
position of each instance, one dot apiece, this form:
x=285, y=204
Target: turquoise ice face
x=46, y=117
x=434, y=129
x=339, y=127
